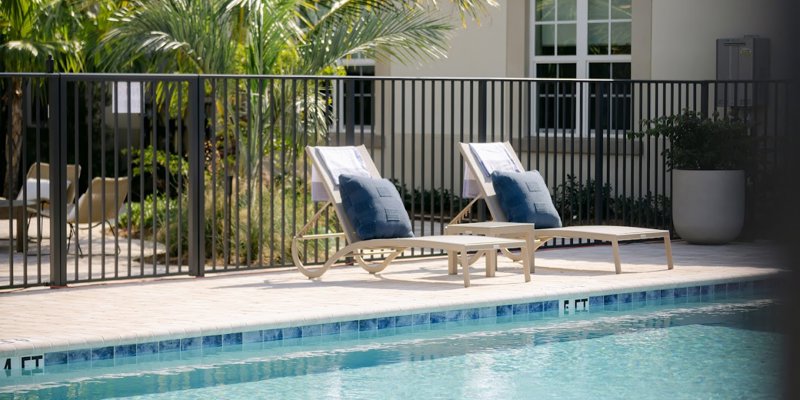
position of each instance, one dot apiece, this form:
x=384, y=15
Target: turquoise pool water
x=722, y=350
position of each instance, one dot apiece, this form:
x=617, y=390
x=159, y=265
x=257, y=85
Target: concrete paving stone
x=143, y=310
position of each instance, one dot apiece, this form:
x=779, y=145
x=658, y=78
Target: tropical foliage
x=575, y=202
x=268, y=37
x=702, y=142
x=256, y=115
x=32, y=31
x=273, y=36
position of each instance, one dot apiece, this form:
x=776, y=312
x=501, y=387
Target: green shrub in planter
x=698, y=142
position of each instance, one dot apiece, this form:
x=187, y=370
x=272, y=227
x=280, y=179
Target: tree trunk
x=14, y=139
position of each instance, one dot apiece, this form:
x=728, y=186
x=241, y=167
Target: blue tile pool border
x=173, y=348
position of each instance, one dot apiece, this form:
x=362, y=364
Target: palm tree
x=273, y=37
x=33, y=30
x=190, y=36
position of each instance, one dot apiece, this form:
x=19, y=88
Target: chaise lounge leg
x=491, y=263
x=668, y=250
x=530, y=253
x=465, y=267
x=615, y=248
x=527, y=262
x=452, y=263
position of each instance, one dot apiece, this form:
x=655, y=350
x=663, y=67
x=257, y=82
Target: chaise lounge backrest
x=484, y=181
x=324, y=173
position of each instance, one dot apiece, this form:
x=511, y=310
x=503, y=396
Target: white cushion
x=38, y=189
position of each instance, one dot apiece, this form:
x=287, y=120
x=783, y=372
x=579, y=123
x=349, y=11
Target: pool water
x=720, y=350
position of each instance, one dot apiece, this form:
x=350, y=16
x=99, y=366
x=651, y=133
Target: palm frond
x=273, y=30
x=390, y=33
x=187, y=35
x=473, y=9
x=36, y=29
x=21, y=46
x=320, y=12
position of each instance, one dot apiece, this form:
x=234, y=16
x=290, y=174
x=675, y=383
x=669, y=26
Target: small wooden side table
x=498, y=229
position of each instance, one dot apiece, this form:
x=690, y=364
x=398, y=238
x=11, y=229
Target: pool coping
x=82, y=354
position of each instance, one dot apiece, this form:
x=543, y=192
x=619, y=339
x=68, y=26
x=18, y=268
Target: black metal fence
x=121, y=176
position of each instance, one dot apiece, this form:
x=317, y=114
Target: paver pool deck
x=91, y=315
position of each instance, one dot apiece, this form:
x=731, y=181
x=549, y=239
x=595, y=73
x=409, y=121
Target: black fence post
x=56, y=122
x=598, y=152
x=350, y=112
x=482, y=114
x=196, y=234
x=704, y=99
x=482, y=130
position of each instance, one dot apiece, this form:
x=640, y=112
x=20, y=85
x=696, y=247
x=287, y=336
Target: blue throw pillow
x=374, y=207
x=524, y=197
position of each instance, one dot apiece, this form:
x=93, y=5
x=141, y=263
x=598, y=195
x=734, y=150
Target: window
x=609, y=27
x=555, y=100
x=615, y=97
x=581, y=39
x=125, y=99
x=555, y=26
x=363, y=90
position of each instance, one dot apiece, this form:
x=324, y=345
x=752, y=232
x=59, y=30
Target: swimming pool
x=722, y=349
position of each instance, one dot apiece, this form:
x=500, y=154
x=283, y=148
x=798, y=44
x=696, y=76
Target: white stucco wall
x=675, y=40
x=479, y=50
x=684, y=34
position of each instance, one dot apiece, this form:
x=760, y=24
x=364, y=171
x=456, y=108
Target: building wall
x=642, y=39
x=672, y=40
x=684, y=34
x=477, y=50
x=497, y=47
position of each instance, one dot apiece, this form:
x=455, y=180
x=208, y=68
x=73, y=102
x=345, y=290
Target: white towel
x=336, y=161
x=490, y=157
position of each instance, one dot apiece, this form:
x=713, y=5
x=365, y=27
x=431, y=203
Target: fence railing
x=121, y=176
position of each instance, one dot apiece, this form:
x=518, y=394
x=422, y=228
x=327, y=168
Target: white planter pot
x=708, y=206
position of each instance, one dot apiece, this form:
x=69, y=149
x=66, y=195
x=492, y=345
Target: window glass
x=566, y=39
x=598, y=9
x=618, y=70
x=615, y=97
x=567, y=70
x=545, y=10
x=547, y=70
x=620, y=38
x=553, y=70
x=556, y=100
x=362, y=93
x=555, y=108
x=567, y=10
x=599, y=70
x=545, y=40
x=597, y=38
x=621, y=71
x=620, y=9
